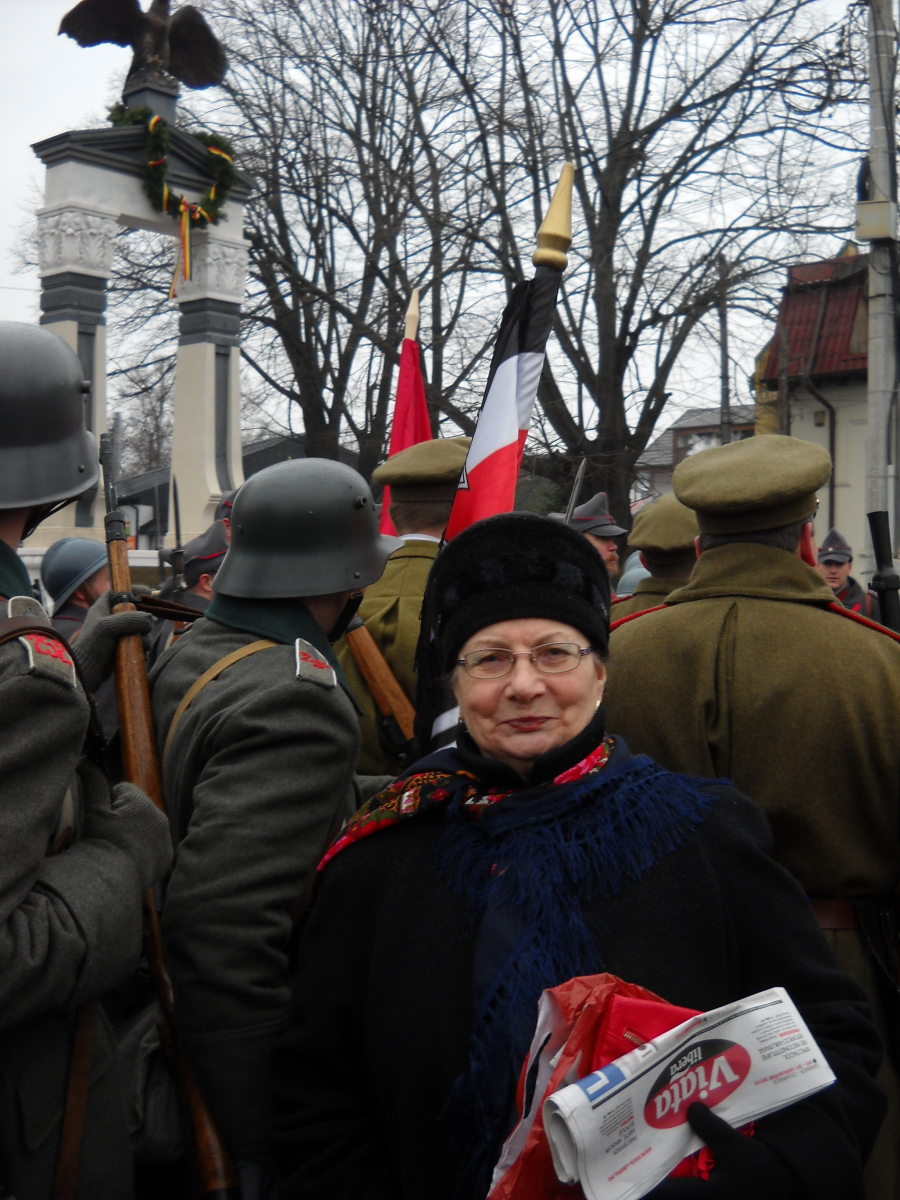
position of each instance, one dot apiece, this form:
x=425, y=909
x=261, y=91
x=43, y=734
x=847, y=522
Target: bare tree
x=144, y=425
x=416, y=144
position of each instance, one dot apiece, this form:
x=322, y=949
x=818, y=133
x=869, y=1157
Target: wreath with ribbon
x=208, y=210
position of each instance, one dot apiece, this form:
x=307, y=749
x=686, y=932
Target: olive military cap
x=835, y=548
x=664, y=526
x=428, y=471
x=756, y=484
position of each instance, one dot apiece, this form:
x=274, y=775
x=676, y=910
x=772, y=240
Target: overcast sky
x=48, y=84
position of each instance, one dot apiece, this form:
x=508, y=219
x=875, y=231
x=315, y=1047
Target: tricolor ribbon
x=183, y=263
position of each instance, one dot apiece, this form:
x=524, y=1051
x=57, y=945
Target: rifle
x=885, y=581
x=218, y=1180
x=576, y=488
x=397, y=714
x=178, y=552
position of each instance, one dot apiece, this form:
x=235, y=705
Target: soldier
x=835, y=561
x=223, y=511
x=752, y=672
x=203, y=556
x=75, y=573
x=76, y=857
x=258, y=739
x=423, y=481
x=593, y=519
x=664, y=532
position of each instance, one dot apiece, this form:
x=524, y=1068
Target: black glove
x=95, y=646
x=133, y=823
x=745, y=1169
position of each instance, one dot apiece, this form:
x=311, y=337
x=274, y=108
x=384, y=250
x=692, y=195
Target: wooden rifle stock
x=387, y=693
x=141, y=767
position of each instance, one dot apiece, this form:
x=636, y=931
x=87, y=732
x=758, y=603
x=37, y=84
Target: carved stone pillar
x=206, y=433
x=76, y=246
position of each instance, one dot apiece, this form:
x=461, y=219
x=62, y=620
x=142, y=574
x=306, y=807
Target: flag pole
x=412, y=316
x=576, y=488
x=554, y=237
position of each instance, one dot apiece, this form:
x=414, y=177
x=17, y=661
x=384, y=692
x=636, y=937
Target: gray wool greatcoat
x=258, y=767
x=70, y=928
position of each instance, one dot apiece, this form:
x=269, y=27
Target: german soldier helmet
x=306, y=527
x=68, y=563
x=47, y=455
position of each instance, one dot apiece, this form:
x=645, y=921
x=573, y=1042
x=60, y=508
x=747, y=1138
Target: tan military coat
x=648, y=593
x=391, y=610
x=747, y=674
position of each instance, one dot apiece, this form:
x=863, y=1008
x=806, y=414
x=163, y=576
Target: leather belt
x=835, y=914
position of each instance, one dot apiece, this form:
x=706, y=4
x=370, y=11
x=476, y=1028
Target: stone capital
x=76, y=239
x=218, y=270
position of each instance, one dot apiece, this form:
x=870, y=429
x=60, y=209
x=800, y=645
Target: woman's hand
x=745, y=1168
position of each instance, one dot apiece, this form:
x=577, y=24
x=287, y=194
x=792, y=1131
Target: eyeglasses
x=553, y=659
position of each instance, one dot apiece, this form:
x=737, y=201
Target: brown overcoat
x=648, y=593
x=747, y=674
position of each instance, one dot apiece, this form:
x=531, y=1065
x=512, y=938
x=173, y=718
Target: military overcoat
x=257, y=768
x=70, y=922
x=390, y=609
x=648, y=593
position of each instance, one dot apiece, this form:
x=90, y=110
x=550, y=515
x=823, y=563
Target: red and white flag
x=487, y=485
x=410, y=425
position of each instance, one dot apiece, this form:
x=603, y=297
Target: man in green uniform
x=76, y=857
x=423, y=481
x=754, y=673
x=835, y=564
x=258, y=739
x=663, y=531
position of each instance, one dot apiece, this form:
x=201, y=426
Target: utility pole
x=725, y=417
x=876, y=217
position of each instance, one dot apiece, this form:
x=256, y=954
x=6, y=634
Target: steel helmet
x=68, y=563
x=305, y=527
x=46, y=453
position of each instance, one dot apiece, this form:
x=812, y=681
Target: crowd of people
x=694, y=786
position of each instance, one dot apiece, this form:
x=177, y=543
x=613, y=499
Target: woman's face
x=524, y=714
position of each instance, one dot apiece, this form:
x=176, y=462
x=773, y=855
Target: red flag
x=411, y=424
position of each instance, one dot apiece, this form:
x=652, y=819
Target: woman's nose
x=524, y=678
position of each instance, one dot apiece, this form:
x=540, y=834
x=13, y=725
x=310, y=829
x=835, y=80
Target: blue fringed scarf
x=531, y=865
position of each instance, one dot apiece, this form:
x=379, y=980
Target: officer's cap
x=756, y=484
x=428, y=471
x=203, y=554
x=664, y=526
x=835, y=548
x=593, y=517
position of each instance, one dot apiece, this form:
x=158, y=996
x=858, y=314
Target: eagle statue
x=182, y=45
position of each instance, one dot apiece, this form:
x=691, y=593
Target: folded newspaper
x=618, y=1132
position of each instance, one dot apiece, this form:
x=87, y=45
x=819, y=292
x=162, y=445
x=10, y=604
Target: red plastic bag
x=582, y=1025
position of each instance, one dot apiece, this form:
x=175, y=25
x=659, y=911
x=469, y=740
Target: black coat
x=382, y=1008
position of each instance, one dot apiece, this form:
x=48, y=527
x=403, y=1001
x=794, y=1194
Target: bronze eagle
x=182, y=45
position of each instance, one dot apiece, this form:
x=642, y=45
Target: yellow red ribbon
x=221, y=153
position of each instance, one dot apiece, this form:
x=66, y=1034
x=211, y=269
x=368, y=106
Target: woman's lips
x=527, y=724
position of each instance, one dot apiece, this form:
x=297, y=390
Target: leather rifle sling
x=199, y=684
x=65, y=1179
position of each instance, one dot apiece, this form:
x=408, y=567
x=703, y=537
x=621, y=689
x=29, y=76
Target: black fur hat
x=506, y=567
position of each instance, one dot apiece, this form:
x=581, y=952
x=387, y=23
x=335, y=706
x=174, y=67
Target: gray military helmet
x=306, y=527
x=68, y=563
x=46, y=453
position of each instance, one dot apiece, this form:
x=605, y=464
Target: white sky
x=48, y=84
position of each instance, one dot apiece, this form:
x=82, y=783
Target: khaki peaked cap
x=426, y=472
x=756, y=484
x=664, y=526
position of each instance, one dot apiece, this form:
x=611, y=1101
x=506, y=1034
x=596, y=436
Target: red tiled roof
x=824, y=317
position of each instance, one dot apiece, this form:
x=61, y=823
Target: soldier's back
x=797, y=704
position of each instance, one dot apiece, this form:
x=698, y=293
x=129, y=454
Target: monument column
x=76, y=246
x=206, y=431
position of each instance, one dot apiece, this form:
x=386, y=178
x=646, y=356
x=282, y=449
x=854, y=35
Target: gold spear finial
x=555, y=234
x=412, y=316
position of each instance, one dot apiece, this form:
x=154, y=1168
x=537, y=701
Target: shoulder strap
x=199, y=684
x=860, y=620
x=634, y=616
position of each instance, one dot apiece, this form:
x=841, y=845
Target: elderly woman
x=537, y=849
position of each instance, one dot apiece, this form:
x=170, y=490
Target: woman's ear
x=601, y=681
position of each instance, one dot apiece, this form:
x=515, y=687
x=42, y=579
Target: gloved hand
x=134, y=824
x=95, y=646
x=745, y=1168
